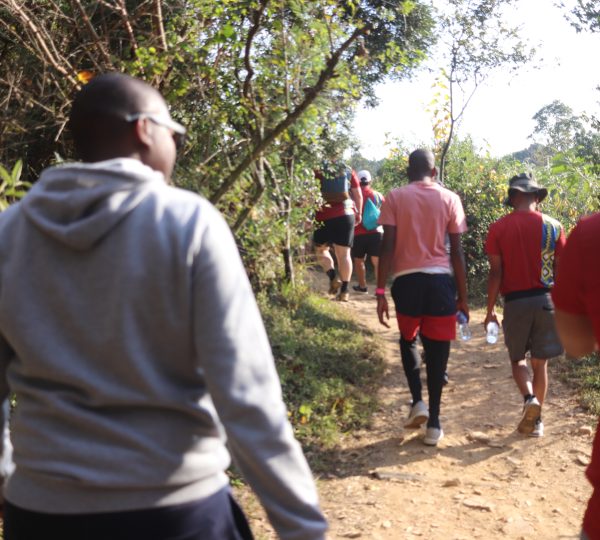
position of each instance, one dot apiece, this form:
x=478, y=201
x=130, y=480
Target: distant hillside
x=536, y=154
x=359, y=163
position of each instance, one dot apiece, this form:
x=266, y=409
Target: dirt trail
x=483, y=480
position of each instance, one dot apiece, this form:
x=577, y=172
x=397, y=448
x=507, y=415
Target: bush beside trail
x=330, y=366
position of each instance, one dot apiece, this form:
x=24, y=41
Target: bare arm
x=385, y=263
x=357, y=197
x=244, y=386
x=493, y=289
x=457, y=259
x=576, y=333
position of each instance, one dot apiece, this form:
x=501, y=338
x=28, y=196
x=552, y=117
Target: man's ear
x=142, y=132
x=434, y=172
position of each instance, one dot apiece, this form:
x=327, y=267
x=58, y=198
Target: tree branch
x=121, y=9
x=39, y=39
x=258, y=13
x=92, y=31
x=310, y=95
x=258, y=176
x=160, y=23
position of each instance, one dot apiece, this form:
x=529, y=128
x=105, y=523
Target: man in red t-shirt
x=367, y=243
x=523, y=248
x=577, y=298
x=342, y=209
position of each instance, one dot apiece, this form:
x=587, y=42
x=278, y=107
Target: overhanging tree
x=474, y=42
x=258, y=82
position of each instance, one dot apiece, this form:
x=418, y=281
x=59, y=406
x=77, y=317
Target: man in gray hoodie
x=132, y=341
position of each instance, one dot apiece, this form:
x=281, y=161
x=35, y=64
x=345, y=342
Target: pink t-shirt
x=422, y=212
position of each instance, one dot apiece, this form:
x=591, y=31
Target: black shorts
x=217, y=516
x=425, y=303
x=367, y=244
x=339, y=230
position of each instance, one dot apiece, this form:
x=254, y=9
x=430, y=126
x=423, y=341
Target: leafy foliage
x=328, y=365
x=12, y=188
x=481, y=182
x=583, y=374
x=557, y=126
x=475, y=41
x=585, y=15
x=266, y=88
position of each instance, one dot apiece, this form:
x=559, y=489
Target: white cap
x=364, y=176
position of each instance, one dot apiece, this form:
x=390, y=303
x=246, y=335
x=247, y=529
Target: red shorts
x=438, y=328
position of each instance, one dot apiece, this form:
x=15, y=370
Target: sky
x=499, y=116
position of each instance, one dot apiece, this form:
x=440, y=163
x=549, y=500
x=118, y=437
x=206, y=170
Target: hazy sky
x=499, y=116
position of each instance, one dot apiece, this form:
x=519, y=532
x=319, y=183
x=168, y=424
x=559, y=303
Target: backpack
x=370, y=214
x=335, y=184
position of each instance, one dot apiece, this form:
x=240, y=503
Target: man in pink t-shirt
x=416, y=219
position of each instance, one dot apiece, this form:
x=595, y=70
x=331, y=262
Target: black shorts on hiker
x=528, y=325
x=217, y=517
x=339, y=230
x=367, y=244
x=425, y=304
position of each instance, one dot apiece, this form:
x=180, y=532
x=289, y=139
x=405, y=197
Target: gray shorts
x=528, y=325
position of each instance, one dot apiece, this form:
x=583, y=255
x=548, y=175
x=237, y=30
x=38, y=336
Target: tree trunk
x=288, y=261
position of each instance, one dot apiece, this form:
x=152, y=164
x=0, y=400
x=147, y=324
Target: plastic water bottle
x=463, y=326
x=491, y=332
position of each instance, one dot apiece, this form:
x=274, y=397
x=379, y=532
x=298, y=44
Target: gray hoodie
x=131, y=338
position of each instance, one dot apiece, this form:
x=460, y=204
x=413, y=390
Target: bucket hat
x=525, y=183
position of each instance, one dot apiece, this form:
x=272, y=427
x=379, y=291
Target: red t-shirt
x=337, y=209
x=528, y=243
x=377, y=199
x=577, y=291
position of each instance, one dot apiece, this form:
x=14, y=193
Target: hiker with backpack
x=368, y=233
x=341, y=210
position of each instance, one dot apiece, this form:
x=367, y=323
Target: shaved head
x=97, y=121
x=421, y=164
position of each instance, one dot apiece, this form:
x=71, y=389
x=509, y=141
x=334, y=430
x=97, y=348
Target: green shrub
x=12, y=188
x=329, y=366
x=584, y=375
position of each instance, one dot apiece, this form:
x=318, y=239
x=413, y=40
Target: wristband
x=380, y=291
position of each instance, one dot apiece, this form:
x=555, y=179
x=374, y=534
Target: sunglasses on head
x=178, y=131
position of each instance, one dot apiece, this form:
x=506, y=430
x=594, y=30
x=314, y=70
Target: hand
x=357, y=219
x=461, y=305
x=382, y=309
x=490, y=317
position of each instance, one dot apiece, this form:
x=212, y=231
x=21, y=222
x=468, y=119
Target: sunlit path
x=483, y=480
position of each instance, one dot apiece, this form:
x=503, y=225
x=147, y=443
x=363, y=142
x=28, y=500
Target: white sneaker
x=531, y=412
x=433, y=436
x=538, y=430
x=418, y=415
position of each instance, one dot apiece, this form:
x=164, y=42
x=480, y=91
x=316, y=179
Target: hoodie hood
x=79, y=203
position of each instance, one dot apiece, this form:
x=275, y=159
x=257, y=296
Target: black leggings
x=218, y=517
x=436, y=360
